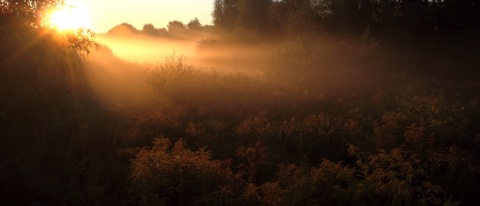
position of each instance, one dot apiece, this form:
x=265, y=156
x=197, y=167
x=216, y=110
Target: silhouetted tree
x=175, y=27
x=149, y=29
x=293, y=16
x=20, y=17
x=225, y=13
x=123, y=29
x=253, y=14
x=194, y=24
x=28, y=12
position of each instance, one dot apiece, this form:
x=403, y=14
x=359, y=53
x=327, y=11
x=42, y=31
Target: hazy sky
x=108, y=13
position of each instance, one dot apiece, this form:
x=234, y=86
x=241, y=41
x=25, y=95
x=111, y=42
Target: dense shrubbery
x=410, y=135
x=176, y=175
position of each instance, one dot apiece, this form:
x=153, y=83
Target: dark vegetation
x=175, y=30
x=365, y=103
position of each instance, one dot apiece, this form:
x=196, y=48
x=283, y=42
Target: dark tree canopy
x=253, y=14
x=390, y=18
x=23, y=21
x=225, y=13
x=28, y=12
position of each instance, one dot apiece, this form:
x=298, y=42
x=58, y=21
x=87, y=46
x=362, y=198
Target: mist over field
x=289, y=102
x=152, y=50
x=117, y=71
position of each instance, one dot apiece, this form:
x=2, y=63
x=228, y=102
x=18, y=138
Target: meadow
x=228, y=118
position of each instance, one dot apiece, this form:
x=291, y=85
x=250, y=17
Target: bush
x=174, y=175
x=173, y=71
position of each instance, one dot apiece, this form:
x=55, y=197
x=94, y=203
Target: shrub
x=174, y=175
x=173, y=70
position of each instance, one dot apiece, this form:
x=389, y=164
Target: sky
x=105, y=14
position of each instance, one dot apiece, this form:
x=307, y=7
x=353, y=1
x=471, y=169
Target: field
x=212, y=118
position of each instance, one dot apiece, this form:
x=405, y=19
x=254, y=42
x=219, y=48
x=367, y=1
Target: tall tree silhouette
x=225, y=13
x=253, y=14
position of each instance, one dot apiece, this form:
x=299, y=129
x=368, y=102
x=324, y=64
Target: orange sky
x=106, y=14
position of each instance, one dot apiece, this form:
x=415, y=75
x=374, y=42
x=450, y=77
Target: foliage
x=82, y=41
x=27, y=12
x=174, y=30
x=421, y=30
x=256, y=157
x=386, y=178
x=252, y=14
x=28, y=17
x=399, y=177
x=174, y=175
x=173, y=71
x=194, y=24
x=149, y=29
x=175, y=27
x=225, y=13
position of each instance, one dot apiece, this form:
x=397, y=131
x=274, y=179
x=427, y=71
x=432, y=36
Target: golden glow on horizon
x=71, y=16
x=106, y=14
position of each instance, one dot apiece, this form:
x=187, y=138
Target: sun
x=70, y=16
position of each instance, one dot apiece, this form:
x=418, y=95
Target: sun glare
x=71, y=16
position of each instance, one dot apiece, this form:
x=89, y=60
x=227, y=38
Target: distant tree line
x=174, y=29
x=388, y=18
x=436, y=34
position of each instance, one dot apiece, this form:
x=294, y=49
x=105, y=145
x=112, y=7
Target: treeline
x=175, y=30
x=386, y=18
x=440, y=35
